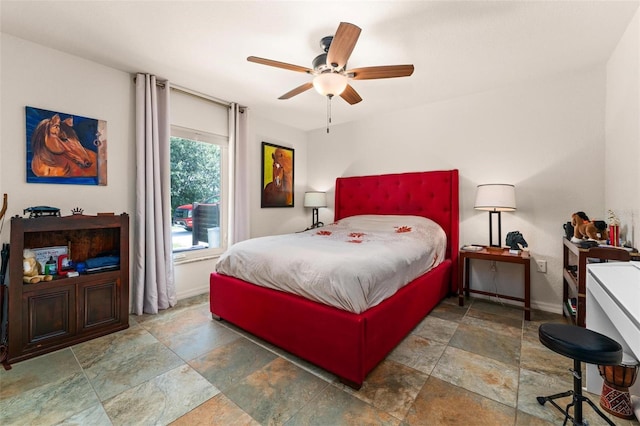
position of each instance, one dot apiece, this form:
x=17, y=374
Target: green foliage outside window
x=195, y=172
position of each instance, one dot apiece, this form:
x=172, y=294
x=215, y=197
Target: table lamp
x=315, y=200
x=495, y=198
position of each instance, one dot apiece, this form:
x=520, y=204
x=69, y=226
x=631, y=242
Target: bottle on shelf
x=50, y=268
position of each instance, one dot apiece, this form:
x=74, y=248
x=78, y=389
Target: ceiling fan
x=329, y=69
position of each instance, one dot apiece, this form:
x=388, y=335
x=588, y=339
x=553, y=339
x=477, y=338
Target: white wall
x=546, y=137
x=40, y=77
x=280, y=220
x=622, y=149
x=33, y=75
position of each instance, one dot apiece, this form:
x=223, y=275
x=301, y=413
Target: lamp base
x=493, y=248
x=491, y=245
x=315, y=226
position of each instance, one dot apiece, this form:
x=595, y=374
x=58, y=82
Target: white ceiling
x=457, y=47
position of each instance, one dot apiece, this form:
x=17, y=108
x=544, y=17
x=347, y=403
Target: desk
x=613, y=309
x=496, y=255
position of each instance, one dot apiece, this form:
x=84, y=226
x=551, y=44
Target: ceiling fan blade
x=342, y=44
x=297, y=91
x=278, y=64
x=350, y=95
x=385, y=71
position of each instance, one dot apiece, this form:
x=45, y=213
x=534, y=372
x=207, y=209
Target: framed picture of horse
x=65, y=148
x=277, y=176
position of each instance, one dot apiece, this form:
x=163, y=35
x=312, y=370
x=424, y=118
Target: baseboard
x=541, y=306
x=192, y=292
x=555, y=308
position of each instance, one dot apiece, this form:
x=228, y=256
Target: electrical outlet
x=542, y=266
x=493, y=268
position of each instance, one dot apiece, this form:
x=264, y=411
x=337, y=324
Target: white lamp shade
x=315, y=199
x=330, y=83
x=498, y=197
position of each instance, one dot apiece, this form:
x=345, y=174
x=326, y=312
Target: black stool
x=581, y=345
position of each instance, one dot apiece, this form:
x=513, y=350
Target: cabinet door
x=49, y=315
x=100, y=303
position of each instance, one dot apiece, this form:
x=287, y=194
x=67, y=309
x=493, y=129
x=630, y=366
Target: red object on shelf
x=63, y=262
x=64, y=265
x=614, y=235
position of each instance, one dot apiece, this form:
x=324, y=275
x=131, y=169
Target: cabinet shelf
x=577, y=258
x=47, y=316
x=56, y=282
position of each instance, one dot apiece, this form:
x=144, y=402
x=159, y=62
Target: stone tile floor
x=480, y=364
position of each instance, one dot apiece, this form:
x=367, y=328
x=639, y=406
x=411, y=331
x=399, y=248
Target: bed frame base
x=353, y=385
x=346, y=344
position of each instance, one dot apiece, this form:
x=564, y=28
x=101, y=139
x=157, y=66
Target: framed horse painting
x=65, y=148
x=277, y=176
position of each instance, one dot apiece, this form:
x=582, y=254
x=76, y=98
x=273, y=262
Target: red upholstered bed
x=347, y=344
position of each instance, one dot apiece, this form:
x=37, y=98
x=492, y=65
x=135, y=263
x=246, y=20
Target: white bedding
x=353, y=264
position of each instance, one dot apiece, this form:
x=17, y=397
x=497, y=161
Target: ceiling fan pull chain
x=328, y=111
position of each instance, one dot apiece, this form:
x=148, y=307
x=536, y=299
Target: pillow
x=390, y=223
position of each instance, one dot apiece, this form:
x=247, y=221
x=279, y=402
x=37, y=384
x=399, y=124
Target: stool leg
x=566, y=413
x=577, y=391
x=597, y=410
x=543, y=399
x=578, y=397
x=576, y=400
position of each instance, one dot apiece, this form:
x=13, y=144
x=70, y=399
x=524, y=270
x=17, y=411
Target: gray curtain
x=238, y=123
x=153, y=277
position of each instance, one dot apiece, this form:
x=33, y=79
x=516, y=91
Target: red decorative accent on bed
x=347, y=344
x=429, y=194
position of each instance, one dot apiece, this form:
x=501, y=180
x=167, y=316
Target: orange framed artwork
x=65, y=148
x=277, y=176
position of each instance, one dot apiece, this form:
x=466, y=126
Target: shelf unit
x=574, y=274
x=48, y=316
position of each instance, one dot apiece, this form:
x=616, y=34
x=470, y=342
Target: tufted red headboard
x=429, y=194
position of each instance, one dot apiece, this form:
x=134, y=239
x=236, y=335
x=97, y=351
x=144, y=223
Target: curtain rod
x=199, y=95
x=195, y=94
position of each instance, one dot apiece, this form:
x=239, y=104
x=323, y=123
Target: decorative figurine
x=32, y=270
x=584, y=228
x=41, y=211
x=516, y=241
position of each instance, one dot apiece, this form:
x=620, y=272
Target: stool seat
x=580, y=344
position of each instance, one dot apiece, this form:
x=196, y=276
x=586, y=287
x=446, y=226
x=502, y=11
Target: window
x=199, y=182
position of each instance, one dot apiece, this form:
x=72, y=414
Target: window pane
x=195, y=194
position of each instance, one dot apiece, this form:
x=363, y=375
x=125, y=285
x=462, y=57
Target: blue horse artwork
x=64, y=148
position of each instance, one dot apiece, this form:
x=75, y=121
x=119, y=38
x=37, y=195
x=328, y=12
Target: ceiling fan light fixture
x=330, y=83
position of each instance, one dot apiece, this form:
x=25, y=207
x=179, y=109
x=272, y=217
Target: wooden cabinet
x=48, y=316
x=574, y=274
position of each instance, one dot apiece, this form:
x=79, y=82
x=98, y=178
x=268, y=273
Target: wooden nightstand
x=496, y=255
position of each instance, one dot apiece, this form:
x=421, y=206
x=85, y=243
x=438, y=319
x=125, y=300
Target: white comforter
x=353, y=264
